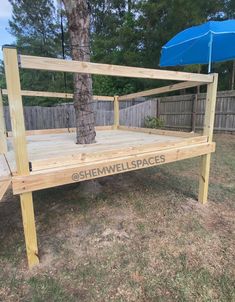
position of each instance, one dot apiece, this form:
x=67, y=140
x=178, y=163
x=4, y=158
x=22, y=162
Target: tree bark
x=78, y=14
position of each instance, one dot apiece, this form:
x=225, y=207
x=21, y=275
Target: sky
x=5, y=14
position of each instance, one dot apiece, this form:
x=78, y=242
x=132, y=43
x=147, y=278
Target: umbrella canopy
x=213, y=41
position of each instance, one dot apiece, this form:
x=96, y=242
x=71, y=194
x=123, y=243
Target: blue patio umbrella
x=213, y=41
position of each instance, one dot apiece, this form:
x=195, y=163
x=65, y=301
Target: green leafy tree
x=36, y=27
x=115, y=40
x=125, y=32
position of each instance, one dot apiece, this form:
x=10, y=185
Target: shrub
x=153, y=122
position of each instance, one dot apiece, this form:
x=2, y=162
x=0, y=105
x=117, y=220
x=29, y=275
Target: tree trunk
x=79, y=32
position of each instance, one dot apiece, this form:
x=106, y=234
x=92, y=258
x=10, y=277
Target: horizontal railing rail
x=52, y=64
x=160, y=90
x=58, y=95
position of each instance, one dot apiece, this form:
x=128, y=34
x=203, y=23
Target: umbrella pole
x=210, y=53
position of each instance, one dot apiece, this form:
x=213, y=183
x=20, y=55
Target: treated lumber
x=57, y=130
x=4, y=185
x=88, y=157
x=116, y=112
x=210, y=109
x=3, y=137
x=27, y=210
x=54, y=145
x=58, y=95
x=45, y=131
x=20, y=149
x=204, y=178
x=44, y=63
x=160, y=90
x=208, y=131
x=158, y=131
x=16, y=109
x=5, y=175
x=65, y=175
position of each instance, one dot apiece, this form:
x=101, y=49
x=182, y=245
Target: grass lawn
x=139, y=236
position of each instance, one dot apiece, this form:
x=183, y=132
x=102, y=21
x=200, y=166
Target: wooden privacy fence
x=63, y=116
x=183, y=111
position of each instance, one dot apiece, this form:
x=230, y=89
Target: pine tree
x=78, y=14
x=36, y=27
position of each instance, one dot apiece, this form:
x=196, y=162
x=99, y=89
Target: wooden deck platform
x=45, y=158
x=55, y=159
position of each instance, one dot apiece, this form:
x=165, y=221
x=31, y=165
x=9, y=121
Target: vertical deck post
x=20, y=149
x=208, y=131
x=116, y=112
x=3, y=134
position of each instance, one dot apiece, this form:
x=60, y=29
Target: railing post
x=208, y=131
x=3, y=134
x=116, y=112
x=20, y=149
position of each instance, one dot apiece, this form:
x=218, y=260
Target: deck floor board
x=49, y=146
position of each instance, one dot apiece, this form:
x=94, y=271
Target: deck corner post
x=208, y=131
x=20, y=148
x=116, y=112
x=27, y=210
x=3, y=134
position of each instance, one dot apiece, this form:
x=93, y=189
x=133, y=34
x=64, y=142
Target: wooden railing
x=62, y=95
x=13, y=62
x=31, y=62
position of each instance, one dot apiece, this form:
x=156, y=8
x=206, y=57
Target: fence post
x=20, y=149
x=116, y=112
x=3, y=134
x=158, y=107
x=193, y=116
x=208, y=131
